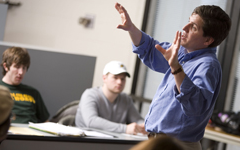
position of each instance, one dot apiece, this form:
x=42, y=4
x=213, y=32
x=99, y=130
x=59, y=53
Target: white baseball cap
x=115, y=67
x=6, y=103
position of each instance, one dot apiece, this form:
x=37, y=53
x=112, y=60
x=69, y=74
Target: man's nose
x=20, y=70
x=186, y=27
x=119, y=81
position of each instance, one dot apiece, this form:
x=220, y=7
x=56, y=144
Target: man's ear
x=5, y=67
x=209, y=41
x=104, y=77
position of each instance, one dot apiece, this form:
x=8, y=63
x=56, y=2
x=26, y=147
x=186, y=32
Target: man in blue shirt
x=185, y=99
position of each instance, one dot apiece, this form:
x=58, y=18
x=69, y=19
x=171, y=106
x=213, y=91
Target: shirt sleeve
x=133, y=114
x=149, y=55
x=89, y=111
x=197, y=93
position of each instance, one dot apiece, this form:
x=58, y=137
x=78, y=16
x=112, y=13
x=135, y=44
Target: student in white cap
x=6, y=104
x=107, y=107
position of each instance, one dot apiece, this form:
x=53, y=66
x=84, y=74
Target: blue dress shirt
x=183, y=115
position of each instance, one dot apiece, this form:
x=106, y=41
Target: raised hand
x=171, y=54
x=126, y=21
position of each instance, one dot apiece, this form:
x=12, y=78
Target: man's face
x=115, y=83
x=192, y=37
x=15, y=74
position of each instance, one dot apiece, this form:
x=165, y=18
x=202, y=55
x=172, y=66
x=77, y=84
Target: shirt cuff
x=185, y=88
x=142, y=46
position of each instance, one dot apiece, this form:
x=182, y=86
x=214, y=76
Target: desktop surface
x=41, y=140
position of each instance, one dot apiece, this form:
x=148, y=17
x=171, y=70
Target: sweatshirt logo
x=23, y=97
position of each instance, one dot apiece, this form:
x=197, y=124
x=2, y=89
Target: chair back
x=66, y=114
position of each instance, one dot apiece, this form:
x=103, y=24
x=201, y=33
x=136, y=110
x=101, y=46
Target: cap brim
x=116, y=73
x=128, y=74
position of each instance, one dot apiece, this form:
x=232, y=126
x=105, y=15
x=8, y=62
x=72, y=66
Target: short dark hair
x=16, y=55
x=4, y=128
x=216, y=23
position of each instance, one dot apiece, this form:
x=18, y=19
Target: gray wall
x=59, y=77
x=3, y=16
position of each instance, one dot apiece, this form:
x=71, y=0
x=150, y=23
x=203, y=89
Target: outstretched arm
x=127, y=25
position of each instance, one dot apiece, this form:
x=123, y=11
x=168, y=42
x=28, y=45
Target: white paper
x=57, y=129
x=63, y=130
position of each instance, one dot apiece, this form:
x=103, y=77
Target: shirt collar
x=198, y=52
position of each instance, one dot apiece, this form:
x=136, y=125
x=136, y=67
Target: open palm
x=126, y=21
x=171, y=54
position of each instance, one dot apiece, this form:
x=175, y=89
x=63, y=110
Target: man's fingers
x=179, y=39
x=175, y=39
x=120, y=8
x=159, y=48
x=117, y=6
x=119, y=26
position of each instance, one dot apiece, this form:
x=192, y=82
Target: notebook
x=62, y=130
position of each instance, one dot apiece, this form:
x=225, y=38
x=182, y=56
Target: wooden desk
x=220, y=136
x=52, y=142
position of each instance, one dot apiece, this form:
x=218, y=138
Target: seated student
x=28, y=105
x=6, y=104
x=162, y=142
x=106, y=107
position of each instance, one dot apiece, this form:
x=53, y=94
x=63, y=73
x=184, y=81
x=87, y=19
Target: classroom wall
x=3, y=15
x=55, y=25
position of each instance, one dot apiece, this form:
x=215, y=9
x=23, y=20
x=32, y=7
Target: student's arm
x=136, y=121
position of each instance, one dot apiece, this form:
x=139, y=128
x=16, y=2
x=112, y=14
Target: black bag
x=227, y=121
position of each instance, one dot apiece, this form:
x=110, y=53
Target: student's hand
x=134, y=128
x=143, y=131
x=171, y=54
x=126, y=21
